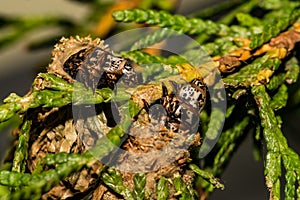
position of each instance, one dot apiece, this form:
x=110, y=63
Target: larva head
x=194, y=94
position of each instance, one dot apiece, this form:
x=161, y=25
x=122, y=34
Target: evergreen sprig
x=162, y=189
x=113, y=179
x=248, y=75
x=54, y=92
x=275, y=26
x=178, y=23
x=21, y=152
x=278, y=152
x=292, y=70
x=153, y=38
x=181, y=188
x=207, y=176
x=267, y=74
x=32, y=186
x=139, y=182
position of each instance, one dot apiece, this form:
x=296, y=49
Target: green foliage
x=257, y=88
x=247, y=20
x=21, y=152
x=139, y=182
x=182, y=190
x=55, y=92
x=207, y=176
x=32, y=186
x=150, y=39
x=279, y=153
x=248, y=74
x=273, y=27
x=113, y=179
x=162, y=189
x=178, y=23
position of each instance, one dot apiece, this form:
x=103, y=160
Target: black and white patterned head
x=193, y=93
x=114, y=64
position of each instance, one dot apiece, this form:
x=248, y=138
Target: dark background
x=243, y=177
